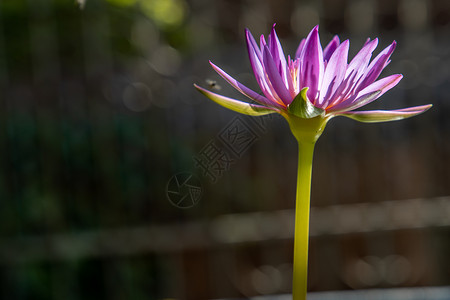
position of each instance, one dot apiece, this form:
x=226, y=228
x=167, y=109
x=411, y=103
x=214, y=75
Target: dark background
x=98, y=113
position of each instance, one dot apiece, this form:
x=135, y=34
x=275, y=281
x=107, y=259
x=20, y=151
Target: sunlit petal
x=375, y=116
x=330, y=48
x=300, y=48
x=256, y=61
x=236, y=105
x=312, y=65
x=278, y=54
x=377, y=65
x=275, y=78
x=243, y=89
x=377, y=88
x=334, y=74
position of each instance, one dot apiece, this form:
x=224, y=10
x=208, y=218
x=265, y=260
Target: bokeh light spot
x=165, y=12
x=136, y=97
x=165, y=60
x=122, y=2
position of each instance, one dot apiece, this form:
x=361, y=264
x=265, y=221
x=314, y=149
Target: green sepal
x=302, y=107
x=236, y=105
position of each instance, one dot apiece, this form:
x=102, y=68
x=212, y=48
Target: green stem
x=306, y=131
x=302, y=206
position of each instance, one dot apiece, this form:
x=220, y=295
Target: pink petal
x=330, y=48
x=251, y=41
x=361, y=60
x=262, y=42
x=277, y=51
x=274, y=77
x=256, y=62
x=355, y=71
x=377, y=65
x=243, y=89
x=278, y=57
x=334, y=74
x=312, y=67
x=374, y=116
x=364, y=97
x=300, y=48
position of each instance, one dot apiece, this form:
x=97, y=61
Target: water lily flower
x=308, y=90
x=316, y=82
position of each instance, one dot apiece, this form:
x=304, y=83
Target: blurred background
x=119, y=181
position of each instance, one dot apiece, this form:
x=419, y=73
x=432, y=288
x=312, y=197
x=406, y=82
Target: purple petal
x=275, y=79
x=355, y=71
x=383, y=85
x=334, y=74
x=300, y=48
x=258, y=69
x=377, y=65
x=366, y=42
x=243, y=89
x=278, y=57
x=251, y=41
x=373, y=116
x=361, y=60
x=262, y=42
x=330, y=48
x=369, y=94
x=312, y=67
